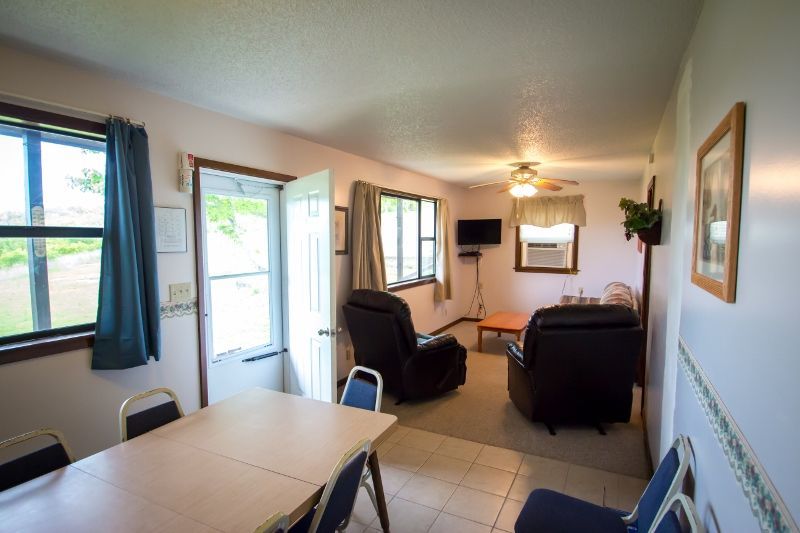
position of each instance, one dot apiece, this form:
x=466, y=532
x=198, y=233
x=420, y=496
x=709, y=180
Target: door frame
x=641, y=368
x=197, y=193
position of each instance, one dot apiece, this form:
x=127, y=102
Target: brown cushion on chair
x=618, y=293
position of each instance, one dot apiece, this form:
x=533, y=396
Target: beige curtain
x=442, y=290
x=547, y=211
x=369, y=269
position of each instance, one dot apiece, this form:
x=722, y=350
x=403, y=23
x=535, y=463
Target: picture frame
x=717, y=207
x=170, y=229
x=341, y=230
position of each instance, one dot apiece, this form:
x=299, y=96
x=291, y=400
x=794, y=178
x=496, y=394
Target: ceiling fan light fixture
x=523, y=173
x=528, y=190
x=522, y=190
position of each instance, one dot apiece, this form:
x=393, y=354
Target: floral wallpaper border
x=173, y=309
x=765, y=501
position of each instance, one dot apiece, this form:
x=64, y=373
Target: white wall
x=60, y=390
x=603, y=253
x=671, y=168
x=740, y=51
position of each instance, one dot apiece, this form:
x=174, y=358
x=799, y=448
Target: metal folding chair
x=131, y=426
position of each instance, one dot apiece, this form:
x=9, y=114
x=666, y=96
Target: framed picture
x=341, y=231
x=170, y=229
x=717, y=206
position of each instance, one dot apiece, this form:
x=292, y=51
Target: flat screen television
x=481, y=231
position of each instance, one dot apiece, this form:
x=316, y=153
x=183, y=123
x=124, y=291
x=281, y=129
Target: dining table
x=225, y=467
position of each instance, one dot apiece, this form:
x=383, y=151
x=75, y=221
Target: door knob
x=326, y=332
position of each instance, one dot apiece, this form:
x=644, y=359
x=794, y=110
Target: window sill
x=22, y=351
x=548, y=270
x=409, y=284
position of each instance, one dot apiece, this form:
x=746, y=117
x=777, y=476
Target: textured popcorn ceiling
x=450, y=88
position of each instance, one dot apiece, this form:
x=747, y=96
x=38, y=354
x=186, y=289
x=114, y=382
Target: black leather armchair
x=577, y=364
x=412, y=365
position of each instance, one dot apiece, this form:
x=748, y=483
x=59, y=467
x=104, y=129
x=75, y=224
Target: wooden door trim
x=645, y=316
x=198, y=249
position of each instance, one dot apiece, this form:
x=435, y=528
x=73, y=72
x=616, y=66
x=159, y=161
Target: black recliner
x=412, y=365
x=577, y=364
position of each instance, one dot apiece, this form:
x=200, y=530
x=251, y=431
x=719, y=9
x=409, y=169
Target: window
x=553, y=249
x=408, y=231
x=241, y=257
x=51, y=223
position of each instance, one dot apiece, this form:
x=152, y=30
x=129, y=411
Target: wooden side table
x=502, y=322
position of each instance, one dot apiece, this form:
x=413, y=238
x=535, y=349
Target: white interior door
x=242, y=283
x=311, y=300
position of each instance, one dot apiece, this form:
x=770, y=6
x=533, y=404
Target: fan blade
x=553, y=180
x=487, y=184
x=548, y=186
x=507, y=187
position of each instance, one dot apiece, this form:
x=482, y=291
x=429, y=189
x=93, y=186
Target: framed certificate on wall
x=170, y=229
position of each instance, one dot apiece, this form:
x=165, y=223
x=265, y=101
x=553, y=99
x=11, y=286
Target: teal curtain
x=128, y=331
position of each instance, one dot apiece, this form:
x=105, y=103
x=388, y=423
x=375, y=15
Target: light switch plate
x=180, y=292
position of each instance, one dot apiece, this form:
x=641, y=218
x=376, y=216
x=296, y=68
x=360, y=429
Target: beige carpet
x=481, y=411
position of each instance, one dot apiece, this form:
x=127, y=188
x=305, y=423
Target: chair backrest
x=340, y=492
x=34, y=464
x=361, y=393
x=583, y=326
x=665, y=483
x=277, y=523
x=380, y=327
x=671, y=520
x=582, y=361
x=131, y=426
x=386, y=302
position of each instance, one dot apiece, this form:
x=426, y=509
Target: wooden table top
x=505, y=321
x=72, y=500
x=226, y=467
x=287, y=434
x=223, y=493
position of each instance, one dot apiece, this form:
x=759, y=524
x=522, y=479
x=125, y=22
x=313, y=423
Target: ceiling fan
x=525, y=181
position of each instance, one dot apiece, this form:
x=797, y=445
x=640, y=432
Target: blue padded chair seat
x=656, y=492
x=547, y=511
x=304, y=523
x=669, y=524
x=360, y=393
x=150, y=419
x=341, y=501
x=33, y=465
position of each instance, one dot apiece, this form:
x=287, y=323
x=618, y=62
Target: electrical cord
x=477, y=294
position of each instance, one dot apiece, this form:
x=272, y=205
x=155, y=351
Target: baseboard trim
x=448, y=326
x=647, y=453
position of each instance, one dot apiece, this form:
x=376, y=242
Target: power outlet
x=180, y=292
x=348, y=353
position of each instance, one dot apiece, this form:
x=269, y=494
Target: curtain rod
x=70, y=108
x=402, y=193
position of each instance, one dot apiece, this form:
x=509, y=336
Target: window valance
x=547, y=211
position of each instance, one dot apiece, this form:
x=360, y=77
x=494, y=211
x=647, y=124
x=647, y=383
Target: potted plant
x=642, y=220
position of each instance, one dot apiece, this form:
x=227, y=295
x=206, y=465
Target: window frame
x=419, y=280
x=546, y=270
x=50, y=341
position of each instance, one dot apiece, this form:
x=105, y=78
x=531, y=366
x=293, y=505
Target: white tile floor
x=445, y=485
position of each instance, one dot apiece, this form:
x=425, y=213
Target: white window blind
x=558, y=234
